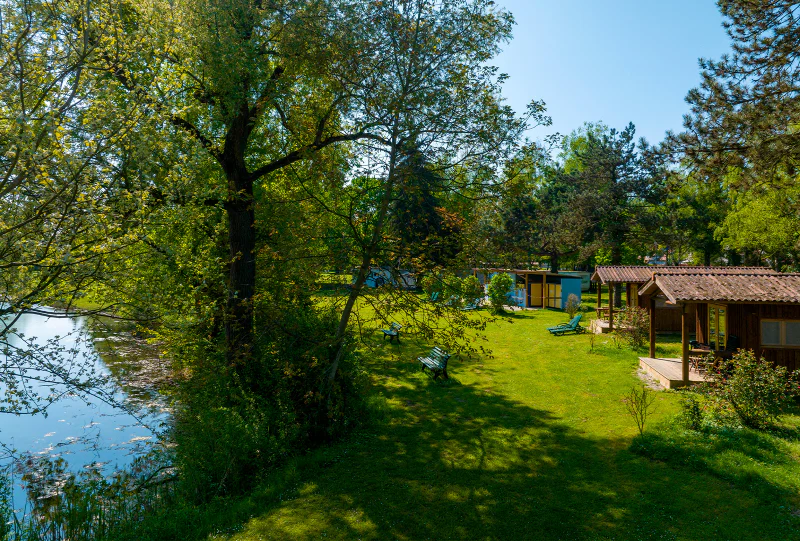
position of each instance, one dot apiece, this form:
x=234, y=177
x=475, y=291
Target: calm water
x=93, y=434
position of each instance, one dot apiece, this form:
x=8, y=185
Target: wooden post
x=685, y=343
x=652, y=327
x=544, y=288
x=611, y=306
x=599, y=297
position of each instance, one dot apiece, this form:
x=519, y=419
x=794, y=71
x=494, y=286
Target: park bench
x=473, y=305
x=393, y=332
x=572, y=326
x=436, y=362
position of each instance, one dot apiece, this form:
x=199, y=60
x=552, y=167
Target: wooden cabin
x=727, y=311
x=633, y=277
x=536, y=288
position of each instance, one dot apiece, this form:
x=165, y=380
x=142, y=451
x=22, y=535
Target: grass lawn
x=532, y=443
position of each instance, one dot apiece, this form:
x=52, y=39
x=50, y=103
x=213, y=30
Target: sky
x=615, y=61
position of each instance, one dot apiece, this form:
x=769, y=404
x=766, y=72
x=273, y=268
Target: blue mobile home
x=536, y=288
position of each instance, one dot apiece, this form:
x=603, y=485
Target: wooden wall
x=744, y=321
x=668, y=318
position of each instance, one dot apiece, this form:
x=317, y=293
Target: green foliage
x=744, y=114
x=229, y=433
x=691, y=412
x=471, y=288
x=752, y=388
x=421, y=223
x=452, y=286
x=499, y=287
x=223, y=446
x=6, y=508
x=764, y=221
x=633, y=326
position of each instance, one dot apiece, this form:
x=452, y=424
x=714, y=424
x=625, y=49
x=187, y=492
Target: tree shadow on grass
x=459, y=461
x=759, y=462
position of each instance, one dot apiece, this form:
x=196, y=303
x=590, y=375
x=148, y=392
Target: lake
x=87, y=433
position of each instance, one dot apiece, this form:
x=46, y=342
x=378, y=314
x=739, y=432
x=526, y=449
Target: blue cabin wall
x=569, y=285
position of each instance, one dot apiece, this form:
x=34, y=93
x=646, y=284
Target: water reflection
x=88, y=432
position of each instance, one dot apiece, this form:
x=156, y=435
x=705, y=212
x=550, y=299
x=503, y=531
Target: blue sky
x=615, y=61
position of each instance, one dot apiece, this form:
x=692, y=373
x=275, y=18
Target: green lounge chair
x=572, y=326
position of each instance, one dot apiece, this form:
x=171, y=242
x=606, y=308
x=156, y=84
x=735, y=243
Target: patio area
x=668, y=372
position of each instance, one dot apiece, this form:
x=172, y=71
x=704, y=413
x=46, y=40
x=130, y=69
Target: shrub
x=499, y=287
x=691, y=412
x=633, y=326
x=756, y=391
x=573, y=305
x=430, y=284
x=471, y=288
x=452, y=291
x=638, y=403
x=231, y=429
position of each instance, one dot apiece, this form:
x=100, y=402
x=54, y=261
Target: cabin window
x=717, y=326
x=780, y=333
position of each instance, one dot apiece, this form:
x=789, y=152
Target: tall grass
x=64, y=506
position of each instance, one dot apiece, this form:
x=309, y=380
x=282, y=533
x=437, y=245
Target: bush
x=499, y=287
x=230, y=430
x=452, y=291
x=756, y=391
x=573, y=305
x=633, y=326
x=691, y=412
x=430, y=284
x=472, y=289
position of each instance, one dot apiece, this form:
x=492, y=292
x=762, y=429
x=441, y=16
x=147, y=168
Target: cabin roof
x=641, y=274
x=725, y=287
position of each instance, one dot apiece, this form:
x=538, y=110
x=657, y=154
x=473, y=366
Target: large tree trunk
x=242, y=275
x=554, y=263
x=241, y=243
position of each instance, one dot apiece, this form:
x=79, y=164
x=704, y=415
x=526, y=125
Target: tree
x=257, y=87
x=427, y=235
x=616, y=182
x=62, y=214
x=691, y=216
x=428, y=88
x=545, y=220
x=745, y=113
x=765, y=222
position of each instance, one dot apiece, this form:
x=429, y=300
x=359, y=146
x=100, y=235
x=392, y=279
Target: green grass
x=531, y=443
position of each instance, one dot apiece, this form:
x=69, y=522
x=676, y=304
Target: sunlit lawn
x=531, y=443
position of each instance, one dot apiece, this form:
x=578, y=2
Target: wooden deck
x=668, y=372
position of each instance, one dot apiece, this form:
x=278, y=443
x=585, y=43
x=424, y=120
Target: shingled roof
x=641, y=274
x=726, y=287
